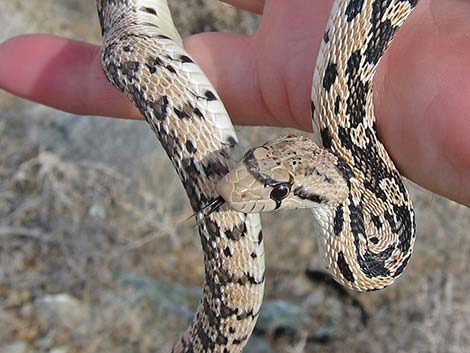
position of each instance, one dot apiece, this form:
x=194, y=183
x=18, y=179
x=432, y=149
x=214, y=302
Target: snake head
x=288, y=172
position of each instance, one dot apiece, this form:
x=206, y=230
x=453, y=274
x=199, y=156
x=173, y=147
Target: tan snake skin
x=351, y=184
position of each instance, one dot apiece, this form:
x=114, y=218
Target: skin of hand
x=421, y=89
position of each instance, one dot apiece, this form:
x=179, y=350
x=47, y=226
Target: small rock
x=98, y=212
x=14, y=347
x=61, y=309
x=166, y=299
x=258, y=345
x=277, y=314
x=59, y=350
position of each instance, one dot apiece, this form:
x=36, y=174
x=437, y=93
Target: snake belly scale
x=351, y=183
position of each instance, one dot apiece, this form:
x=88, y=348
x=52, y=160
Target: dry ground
x=86, y=202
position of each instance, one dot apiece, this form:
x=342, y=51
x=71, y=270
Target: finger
x=265, y=79
x=255, y=6
x=422, y=98
x=60, y=73
x=227, y=60
x=67, y=75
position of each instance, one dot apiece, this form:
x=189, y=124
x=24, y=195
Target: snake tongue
x=207, y=209
x=212, y=206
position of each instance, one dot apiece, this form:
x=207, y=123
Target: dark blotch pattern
x=356, y=100
x=185, y=59
x=304, y=194
x=190, y=147
x=326, y=138
x=353, y=9
x=382, y=30
x=337, y=105
x=231, y=141
x=214, y=167
x=160, y=108
x=129, y=68
x=345, y=170
x=171, y=69
x=344, y=267
x=210, y=96
x=329, y=79
x=372, y=264
x=376, y=220
x=184, y=112
x=148, y=10
x=403, y=265
x=338, y=220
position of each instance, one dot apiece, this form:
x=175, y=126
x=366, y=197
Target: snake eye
x=279, y=192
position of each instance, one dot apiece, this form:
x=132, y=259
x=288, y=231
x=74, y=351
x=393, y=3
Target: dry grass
x=73, y=225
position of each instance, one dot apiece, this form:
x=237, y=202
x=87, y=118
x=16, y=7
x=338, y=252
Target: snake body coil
x=351, y=184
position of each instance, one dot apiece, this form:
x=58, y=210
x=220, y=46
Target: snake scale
x=356, y=193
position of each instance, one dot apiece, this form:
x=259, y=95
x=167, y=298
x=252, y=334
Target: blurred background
x=96, y=255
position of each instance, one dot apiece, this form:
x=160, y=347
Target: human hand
x=420, y=94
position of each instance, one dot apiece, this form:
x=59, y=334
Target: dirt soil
x=86, y=201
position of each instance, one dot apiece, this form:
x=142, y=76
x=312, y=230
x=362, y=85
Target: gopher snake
x=351, y=184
